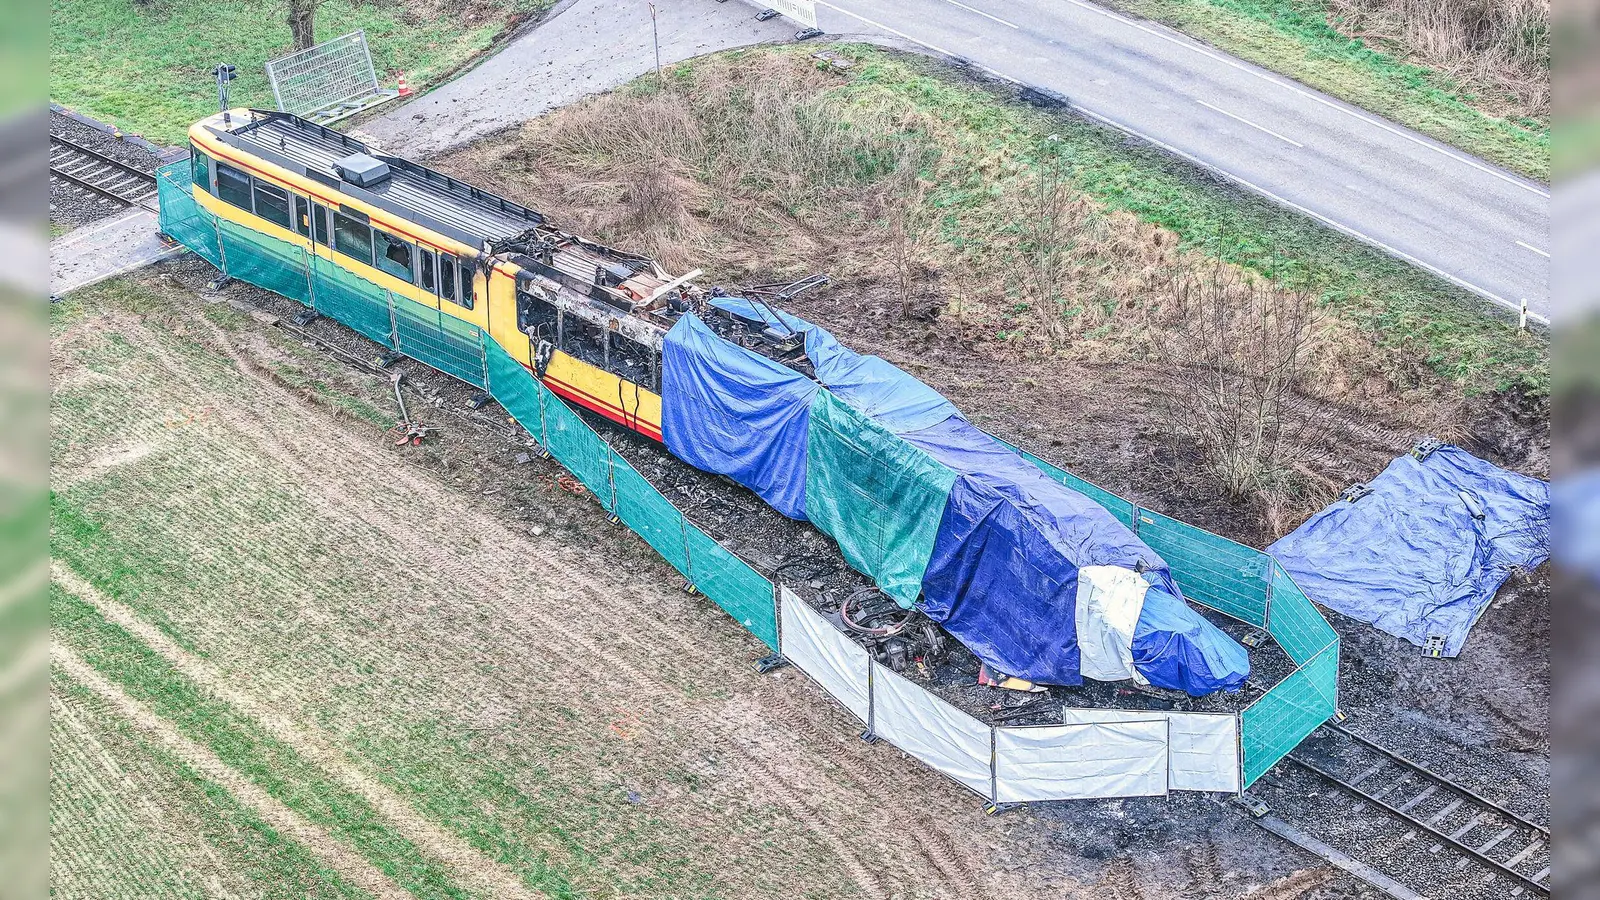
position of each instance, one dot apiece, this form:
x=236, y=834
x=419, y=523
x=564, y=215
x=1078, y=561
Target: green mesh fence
x=1226, y=576
x=652, y=517
x=266, y=262
x=732, y=585
x=1282, y=717
x=875, y=494
x=181, y=218
x=1294, y=621
x=359, y=304
x=444, y=342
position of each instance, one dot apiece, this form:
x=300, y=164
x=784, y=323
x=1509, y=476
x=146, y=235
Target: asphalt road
x=1470, y=222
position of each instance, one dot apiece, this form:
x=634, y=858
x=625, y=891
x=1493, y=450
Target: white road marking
x=1250, y=123
x=981, y=13
x=1533, y=248
x=1242, y=182
x=1370, y=120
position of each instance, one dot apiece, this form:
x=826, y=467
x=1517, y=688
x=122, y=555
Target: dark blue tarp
x=728, y=410
x=1425, y=552
x=1175, y=647
x=1003, y=577
x=875, y=387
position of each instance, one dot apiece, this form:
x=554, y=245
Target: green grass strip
x=278, y=866
x=245, y=746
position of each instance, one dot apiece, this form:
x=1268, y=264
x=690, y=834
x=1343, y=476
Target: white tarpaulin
x=1109, y=601
x=1204, y=752
x=930, y=729
x=819, y=650
x=1074, y=762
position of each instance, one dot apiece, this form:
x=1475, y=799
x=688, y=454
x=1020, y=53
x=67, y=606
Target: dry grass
x=1501, y=47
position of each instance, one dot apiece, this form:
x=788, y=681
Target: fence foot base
x=479, y=400
x=388, y=358
x=1253, y=806
x=770, y=663
x=690, y=589
x=305, y=317
x=995, y=809
x=613, y=519
x=867, y=737
x=219, y=282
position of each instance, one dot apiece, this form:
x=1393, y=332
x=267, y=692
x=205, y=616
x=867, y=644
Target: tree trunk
x=302, y=16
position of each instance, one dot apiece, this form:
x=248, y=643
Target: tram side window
x=302, y=215
x=447, y=277
x=233, y=186
x=272, y=203
x=469, y=290
x=200, y=168
x=352, y=238
x=428, y=278
x=319, y=218
x=394, y=255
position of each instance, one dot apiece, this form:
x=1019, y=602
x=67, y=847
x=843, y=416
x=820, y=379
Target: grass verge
x=1295, y=38
x=146, y=66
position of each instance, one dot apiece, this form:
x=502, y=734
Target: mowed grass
x=1294, y=37
x=147, y=67
x=386, y=615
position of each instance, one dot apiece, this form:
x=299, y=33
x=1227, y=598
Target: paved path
x=583, y=47
x=1469, y=222
x=106, y=248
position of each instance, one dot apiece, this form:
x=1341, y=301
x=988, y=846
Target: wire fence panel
x=945, y=738
x=359, y=304
x=651, y=516
x=1125, y=758
x=572, y=442
x=515, y=389
x=334, y=77
x=828, y=656
x=1284, y=716
x=444, y=342
x=1203, y=752
x=1295, y=623
x=264, y=261
x=732, y=584
x=1226, y=576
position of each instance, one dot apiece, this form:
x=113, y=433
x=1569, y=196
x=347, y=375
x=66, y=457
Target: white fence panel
x=930, y=729
x=819, y=650
x=1203, y=751
x=1074, y=762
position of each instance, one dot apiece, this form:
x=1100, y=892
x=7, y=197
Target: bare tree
x=1236, y=359
x=908, y=219
x=302, y=22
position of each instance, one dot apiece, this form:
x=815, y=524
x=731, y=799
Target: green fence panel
x=442, y=341
x=1222, y=574
x=651, y=516
x=264, y=261
x=515, y=388
x=1119, y=508
x=732, y=584
x=1294, y=622
x=180, y=217
x=358, y=304
x=875, y=494
x=575, y=445
x=1273, y=725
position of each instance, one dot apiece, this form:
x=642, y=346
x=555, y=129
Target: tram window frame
x=302, y=216
x=469, y=285
x=428, y=270
x=229, y=190
x=200, y=168
x=386, y=263
x=448, y=285
x=344, y=226
x=267, y=198
x=319, y=225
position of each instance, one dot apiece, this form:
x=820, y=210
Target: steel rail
x=124, y=170
x=1471, y=852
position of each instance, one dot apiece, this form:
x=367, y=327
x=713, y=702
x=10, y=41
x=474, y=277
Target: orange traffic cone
x=404, y=90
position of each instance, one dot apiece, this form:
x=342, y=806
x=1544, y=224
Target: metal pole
x=655, y=36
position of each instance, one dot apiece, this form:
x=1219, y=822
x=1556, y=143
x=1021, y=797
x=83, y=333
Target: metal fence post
x=394, y=326
x=483, y=357
x=1266, y=613
x=994, y=767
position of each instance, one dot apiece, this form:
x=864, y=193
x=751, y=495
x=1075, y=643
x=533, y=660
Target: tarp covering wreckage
x=1035, y=578
x=1420, y=551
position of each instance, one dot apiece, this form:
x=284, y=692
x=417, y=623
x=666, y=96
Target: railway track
x=99, y=174
x=1438, y=834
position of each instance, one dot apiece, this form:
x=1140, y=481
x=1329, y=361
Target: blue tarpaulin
x=1003, y=577
x=875, y=387
x=727, y=410
x=1423, y=554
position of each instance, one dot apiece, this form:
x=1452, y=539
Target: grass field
x=291, y=660
x=146, y=66
x=1299, y=38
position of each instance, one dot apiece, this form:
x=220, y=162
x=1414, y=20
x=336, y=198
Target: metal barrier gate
x=328, y=82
